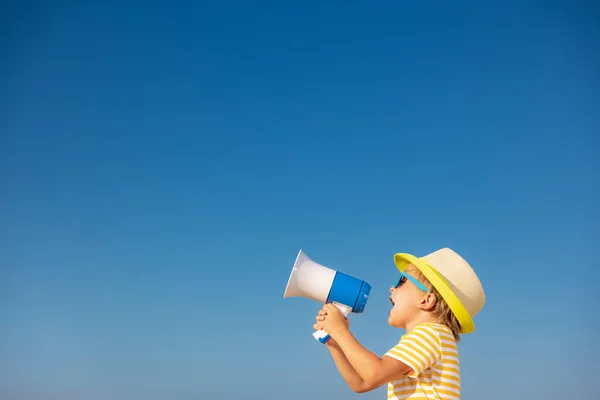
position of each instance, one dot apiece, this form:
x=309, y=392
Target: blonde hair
x=441, y=309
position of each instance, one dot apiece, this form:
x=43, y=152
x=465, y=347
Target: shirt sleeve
x=419, y=349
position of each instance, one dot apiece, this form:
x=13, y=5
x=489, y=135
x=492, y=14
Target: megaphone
x=315, y=281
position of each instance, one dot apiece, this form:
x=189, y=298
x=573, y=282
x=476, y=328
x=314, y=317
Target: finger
x=330, y=308
x=317, y=327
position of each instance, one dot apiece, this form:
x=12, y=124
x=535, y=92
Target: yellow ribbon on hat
x=403, y=260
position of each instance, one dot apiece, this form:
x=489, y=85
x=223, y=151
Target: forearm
x=352, y=378
x=365, y=363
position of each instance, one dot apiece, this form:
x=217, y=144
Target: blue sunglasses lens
x=400, y=281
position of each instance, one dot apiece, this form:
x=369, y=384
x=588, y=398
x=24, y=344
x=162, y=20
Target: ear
x=428, y=302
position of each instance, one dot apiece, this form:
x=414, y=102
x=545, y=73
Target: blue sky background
x=163, y=163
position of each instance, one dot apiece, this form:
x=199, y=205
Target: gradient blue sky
x=163, y=163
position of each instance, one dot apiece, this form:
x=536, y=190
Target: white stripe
x=402, y=382
x=446, y=372
x=451, y=358
x=447, y=342
x=400, y=388
x=440, y=380
x=448, y=389
x=447, y=357
x=450, y=380
x=451, y=351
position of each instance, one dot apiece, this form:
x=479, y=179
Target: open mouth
x=392, y=301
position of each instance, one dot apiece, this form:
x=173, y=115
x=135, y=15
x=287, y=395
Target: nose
x=392, y=289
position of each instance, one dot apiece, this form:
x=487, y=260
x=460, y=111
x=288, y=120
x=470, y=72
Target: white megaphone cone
x=325, y=285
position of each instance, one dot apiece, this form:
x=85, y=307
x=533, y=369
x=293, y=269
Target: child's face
x=405, y=299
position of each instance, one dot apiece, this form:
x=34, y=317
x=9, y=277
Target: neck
x=420, y=319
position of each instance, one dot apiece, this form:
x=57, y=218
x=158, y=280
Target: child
x=434, y=300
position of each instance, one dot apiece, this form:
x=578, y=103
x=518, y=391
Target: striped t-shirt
x=431, y=351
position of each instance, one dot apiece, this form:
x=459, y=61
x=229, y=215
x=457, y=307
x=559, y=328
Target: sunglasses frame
x=414, y=281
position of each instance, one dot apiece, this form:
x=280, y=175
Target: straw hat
x=454, y=279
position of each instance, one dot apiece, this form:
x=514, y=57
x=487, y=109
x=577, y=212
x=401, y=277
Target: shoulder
x=427, y=331
x=423, y=338
x=433, y=329
x=435, y=336
x=442, y=333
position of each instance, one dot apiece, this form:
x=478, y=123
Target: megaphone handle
x=323, y=336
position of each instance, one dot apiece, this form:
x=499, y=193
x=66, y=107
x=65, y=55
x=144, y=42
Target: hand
x=331, y=320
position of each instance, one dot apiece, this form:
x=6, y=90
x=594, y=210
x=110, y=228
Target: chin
x=394, y=322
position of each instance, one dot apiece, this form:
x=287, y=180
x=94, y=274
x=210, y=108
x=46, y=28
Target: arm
x=352, y=378
x=373, y=371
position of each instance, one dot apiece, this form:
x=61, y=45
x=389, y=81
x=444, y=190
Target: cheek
x=400, y=295
x=401, y=305
x=402, y=300
x=399, y=302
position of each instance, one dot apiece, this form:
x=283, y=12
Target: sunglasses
x=404, y=277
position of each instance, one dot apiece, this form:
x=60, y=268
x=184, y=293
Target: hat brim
x=403, y=260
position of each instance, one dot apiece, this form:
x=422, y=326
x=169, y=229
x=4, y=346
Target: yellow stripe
x=447, y=392
x=449, y=385
x=449, y=345
x=438, y=377
x=450, y=368
x=449, y=353
x=409, y=391
x=403, y=388
x=453, y=362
